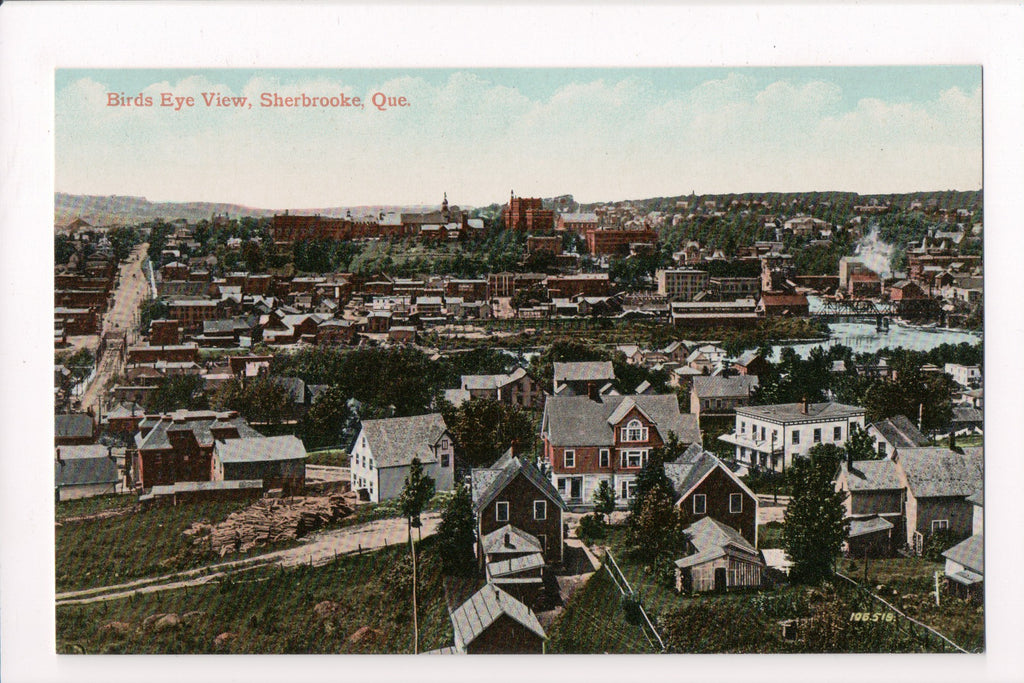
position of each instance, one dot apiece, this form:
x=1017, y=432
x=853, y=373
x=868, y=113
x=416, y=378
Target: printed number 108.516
x=872, y=616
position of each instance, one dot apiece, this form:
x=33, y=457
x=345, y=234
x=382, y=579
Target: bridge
x=855, y=308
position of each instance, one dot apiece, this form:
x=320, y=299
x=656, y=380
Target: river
x=862, y=337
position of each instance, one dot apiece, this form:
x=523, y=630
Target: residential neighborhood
x=407, y=415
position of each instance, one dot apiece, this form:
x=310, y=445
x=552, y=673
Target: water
x=863, y=338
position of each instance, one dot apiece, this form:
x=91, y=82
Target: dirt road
x=318, y=549
x=131, y=291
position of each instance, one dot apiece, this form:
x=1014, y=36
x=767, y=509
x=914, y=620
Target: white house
x=385, y=448
x=968, y=376
x=771, y=436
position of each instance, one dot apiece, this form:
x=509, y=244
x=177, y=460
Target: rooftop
x=395, y=441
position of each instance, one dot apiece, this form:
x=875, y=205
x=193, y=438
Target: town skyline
x=617, y=133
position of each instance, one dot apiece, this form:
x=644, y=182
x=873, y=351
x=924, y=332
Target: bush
x=939, y=542
x=592, y=527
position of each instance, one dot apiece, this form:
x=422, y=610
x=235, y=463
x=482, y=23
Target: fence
x=903, y=625
x=620, y=581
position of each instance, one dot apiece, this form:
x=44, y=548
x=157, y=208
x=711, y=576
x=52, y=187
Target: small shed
x=965, y=568
x=280, y=461
x=721, y=559
x=870, y=537
x=494, y=622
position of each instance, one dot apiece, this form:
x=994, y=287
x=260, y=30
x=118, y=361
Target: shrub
x=592, y=527
x=938, y=542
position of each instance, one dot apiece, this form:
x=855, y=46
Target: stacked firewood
x=271, y=520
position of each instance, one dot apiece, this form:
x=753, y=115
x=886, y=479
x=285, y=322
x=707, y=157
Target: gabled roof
x=487, y=482
x=518, y=541
x=718, y=387
x=580, y=421
x=83, y=465
x=584, y=371
x=748, y=357
x=395, y=441
x=689, y=469
x=970, y=553
x=901, y=432
x=260, y=449
x=934, y=472
x=486, y=606
x=198, y=422
x=73, y=426
x=871, y=475
x=711, y=539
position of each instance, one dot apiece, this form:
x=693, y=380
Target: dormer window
x=634, y=431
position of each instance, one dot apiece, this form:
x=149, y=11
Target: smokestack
x=803, y=405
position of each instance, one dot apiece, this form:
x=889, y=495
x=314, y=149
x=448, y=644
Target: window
x=762, y=433
x=939, y=525
x=604, y=456
x=743, y=427
x=562, y=484
x=837, y=434
x=735, y=503
x=444, y=459
x=634, y=431
x=444, y=443
x=628, y=488
x=795, y=437
x=817, y=436
x=569, y=459
x=540, y=509
x=543, y=542
x=700, y=504
x=881, y=449
x=632, y=458
x=501, y=511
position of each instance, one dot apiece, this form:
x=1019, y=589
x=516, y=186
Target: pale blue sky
x=599, y=134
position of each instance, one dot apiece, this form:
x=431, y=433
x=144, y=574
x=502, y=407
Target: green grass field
x=139, y=544
x=275, y=612
x=594, y=622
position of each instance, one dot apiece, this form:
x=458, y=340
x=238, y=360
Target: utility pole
x=415, y=619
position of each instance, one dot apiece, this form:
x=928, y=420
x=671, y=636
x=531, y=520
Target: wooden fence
x=904, y=626
x=620, y=581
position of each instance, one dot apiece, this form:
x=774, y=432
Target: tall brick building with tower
x=527, y=214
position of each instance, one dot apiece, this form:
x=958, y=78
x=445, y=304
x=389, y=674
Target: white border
x=35, y=38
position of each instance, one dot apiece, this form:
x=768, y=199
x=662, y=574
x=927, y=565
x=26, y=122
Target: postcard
x=396, y=357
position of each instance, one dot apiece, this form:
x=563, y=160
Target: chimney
x=58, y=455
x=849, y=461
x=803, y=405
x=508, y=540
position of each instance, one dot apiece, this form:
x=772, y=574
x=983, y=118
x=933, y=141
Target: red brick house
x=179, y=446
x=514, y=492
x=707, y=488
x=608, y=438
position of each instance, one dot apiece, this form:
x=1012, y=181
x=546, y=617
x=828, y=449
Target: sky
x=478, y=134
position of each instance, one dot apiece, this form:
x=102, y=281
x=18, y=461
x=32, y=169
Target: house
x=83, y=471
x=582, y=378
x=750, y=363
x=965, y=568
x=515, y=388
x=874, y=506
x=717, y=396
x=706, y=358
x=896, y=432
x=124, y=418
x=719, y=559
x=178, y=446
x=609, y=438
x=966, y=420
x=514, y=492
x=967, y=376
x=494, y=622
x=774, y=304
x=771, y=436
x=73, y=429
x=385, y=449
x=938, y=483
x=705, y=487
x=280, y=461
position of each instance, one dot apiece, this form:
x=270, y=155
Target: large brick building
x=527, y=214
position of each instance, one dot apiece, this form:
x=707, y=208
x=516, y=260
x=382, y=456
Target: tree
x=815, y=527
x=456, y=534
x=860, y=445
x=330, y=420
x=655, y=529
x=415, y=495
x=150, y=310
x=178, y=392
x=262, y=399
x=652, y=476
x=604, y=499
x=484, y=429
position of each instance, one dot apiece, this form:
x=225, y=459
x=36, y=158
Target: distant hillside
x=121, y=210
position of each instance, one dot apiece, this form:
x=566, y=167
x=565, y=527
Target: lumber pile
x=271, y=520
